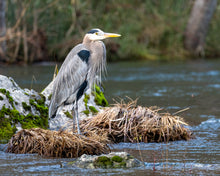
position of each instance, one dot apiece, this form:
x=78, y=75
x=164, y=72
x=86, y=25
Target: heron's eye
x=96, y=33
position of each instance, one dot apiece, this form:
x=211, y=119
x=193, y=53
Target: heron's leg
x=77, y=118
x=74, y=119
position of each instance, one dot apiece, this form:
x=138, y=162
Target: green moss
x=1, y=98
x=26, y=107
x=99, y=97
x=3, y=91
x=71, y=162
x=33, y=121
x=103, y=162
x=3, y=111
x=117, y=159
x=93, y=110
x=67, y=113
x=86, y=99
x=10, y=99
x=86, y=112
x=10, y=117
x=49, y=97
x=7, y=125
x=122, y=164
x=40, y=107
x=41, y=101
x=6, y=128
x=26, y=93
x=31, y=101
x=6, y=131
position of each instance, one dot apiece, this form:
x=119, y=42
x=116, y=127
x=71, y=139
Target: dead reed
x=131, y=123
x=55, y=143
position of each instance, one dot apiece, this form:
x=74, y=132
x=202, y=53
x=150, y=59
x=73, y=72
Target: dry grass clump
x=131, y=123
x=55, y=143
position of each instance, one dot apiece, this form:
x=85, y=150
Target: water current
x=171, y=86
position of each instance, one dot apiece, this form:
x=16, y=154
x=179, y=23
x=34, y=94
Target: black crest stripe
x=84, y=55
x=92, y=31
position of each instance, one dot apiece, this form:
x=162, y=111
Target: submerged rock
x=106, y=161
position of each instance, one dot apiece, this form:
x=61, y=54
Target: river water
x=172, y=86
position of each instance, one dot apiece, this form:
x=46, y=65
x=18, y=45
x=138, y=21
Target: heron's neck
x=87, y=42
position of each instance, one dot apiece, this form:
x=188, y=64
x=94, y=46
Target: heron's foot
x=78, y=131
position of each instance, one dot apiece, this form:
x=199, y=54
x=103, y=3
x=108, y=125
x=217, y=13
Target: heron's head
x=97, y=34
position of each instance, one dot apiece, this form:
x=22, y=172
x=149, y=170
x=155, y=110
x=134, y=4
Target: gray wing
x=71, y=76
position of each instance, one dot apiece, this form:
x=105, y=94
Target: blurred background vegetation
x=151, y=29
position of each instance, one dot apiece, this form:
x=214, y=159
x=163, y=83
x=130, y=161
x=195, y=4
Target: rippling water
x=194, y=85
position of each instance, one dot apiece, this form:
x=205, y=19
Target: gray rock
x=18, y=96
x=13, y=98
x=106, y=161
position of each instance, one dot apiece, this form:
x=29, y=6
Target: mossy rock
x=103, y=162
x=10, y=117
x=8, y=96
x=117, y=159
x=113, y=162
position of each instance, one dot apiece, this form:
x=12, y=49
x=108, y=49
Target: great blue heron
x=78, y=72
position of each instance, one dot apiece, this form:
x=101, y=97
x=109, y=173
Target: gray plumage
x=79, y=70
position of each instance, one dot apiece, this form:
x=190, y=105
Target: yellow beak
x=107, y=35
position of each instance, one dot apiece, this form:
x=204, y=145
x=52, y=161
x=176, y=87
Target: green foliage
x=1, y=98
x=155, y=31
x=212, y=48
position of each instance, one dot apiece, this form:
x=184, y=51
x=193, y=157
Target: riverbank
x=154, y=32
